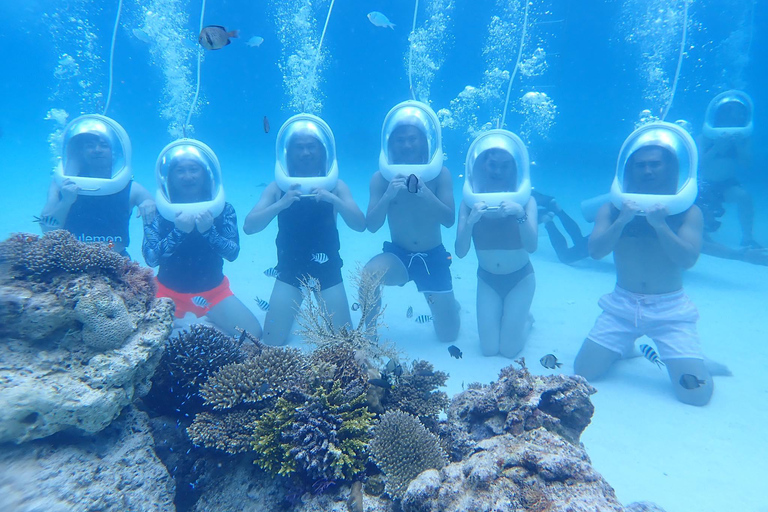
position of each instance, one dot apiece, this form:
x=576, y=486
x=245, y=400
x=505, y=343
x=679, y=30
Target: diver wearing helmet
x=498, y=215
x=92, y=194
x=651, y=249
x=725, y=152
x=306, y=197
x=412, y=191
x=192, y=236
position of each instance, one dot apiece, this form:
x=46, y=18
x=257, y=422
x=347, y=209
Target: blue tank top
x=101, y=218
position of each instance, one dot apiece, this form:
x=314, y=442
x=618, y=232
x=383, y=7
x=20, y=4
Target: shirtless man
x=503, y=239
x=722, y=158
x=650, y=254
x=416, y=252
x=94, y=218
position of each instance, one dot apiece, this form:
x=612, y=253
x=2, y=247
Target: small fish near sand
x=255, y=41
x=271, y=272
x=216, y=37
x=423, y=319
x=689, y=381
x=199, y=301
x=550, y=361
x=455, y=352
x=409, y=312
x=263, y=305
x=651, y=355
x=380, y=20
x=320, y=257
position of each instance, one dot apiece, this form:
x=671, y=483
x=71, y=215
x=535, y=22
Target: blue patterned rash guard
x=191, y=262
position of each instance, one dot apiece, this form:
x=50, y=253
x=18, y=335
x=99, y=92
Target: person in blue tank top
x=195, y=231
x=306, y=198
x=92, y=194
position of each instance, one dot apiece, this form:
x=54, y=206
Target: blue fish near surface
x=651, y=355
x=380, y=20
x=263, y=305
x=200, y=301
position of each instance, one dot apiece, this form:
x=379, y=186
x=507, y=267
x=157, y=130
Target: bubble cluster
x=59, y=117
x=427, y=43
x=731, y=56
x=78, y=72
x=539, y=112
x=655, y=28
x=299, y=36
x=165, y=22
x=478, y=109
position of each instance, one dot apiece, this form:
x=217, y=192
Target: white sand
x=646, y=444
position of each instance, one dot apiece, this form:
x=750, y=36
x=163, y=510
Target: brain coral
x=402, y=448
x=106, y=321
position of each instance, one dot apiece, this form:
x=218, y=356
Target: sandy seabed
x=647, y=445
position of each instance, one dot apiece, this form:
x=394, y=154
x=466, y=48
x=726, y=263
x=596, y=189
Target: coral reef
x=81, y=339
x=518, y=402
x=416, y=393
x=116, y=470
x=106, y=321
x=259, y=379
x=340, y=364
x=231, y=433
x=322, y=438
x=534, y=471
x=402, y=448
x=189, y=359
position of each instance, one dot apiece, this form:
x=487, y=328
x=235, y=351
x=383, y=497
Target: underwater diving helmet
x=426, y=161
x=497, y=169
x=95, y=155
x=729, y=113
x=306, y=155
x=175, y=180
x=675, y=185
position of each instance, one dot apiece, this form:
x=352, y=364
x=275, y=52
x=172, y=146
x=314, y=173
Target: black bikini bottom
x=504, y=283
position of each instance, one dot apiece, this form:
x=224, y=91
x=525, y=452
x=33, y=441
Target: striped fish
x=320, y=257
x=651, y=355
x=263, y=305
x=422, y=319
x=200, y=302
x=271, y=272
x=46, y=220
x=409, y=313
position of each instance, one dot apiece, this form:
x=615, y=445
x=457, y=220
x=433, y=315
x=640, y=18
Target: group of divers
x=650, y=221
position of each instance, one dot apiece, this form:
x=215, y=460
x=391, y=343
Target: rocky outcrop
x=117, y=470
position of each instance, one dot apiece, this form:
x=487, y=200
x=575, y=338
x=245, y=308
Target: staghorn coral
x=189, y=359
x=340, y=364
x=416, y=393
x=321, y=438
x=106, y=321
x=264, y=377
x=402, y=448
x=232, y=432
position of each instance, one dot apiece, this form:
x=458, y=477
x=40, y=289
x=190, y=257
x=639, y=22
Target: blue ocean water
x=600, y=73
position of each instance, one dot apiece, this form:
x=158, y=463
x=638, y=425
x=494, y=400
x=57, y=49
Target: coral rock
x=105, y=319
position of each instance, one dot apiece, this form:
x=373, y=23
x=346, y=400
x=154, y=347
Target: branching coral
x=261, y=378
x=416, y=393
x=316, y=323
x=189, y=359
x=321, y=439
x=340, y=365
x=232, y=433
x=402, y=448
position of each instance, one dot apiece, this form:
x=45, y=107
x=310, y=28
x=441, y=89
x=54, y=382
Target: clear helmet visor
x=729, y=110
x=656, y=159
x=94, y=147
x=188, y=172
x=305, y=148
x=411, y=135
x=497, y=162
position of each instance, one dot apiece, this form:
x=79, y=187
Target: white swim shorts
x=669, y=319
